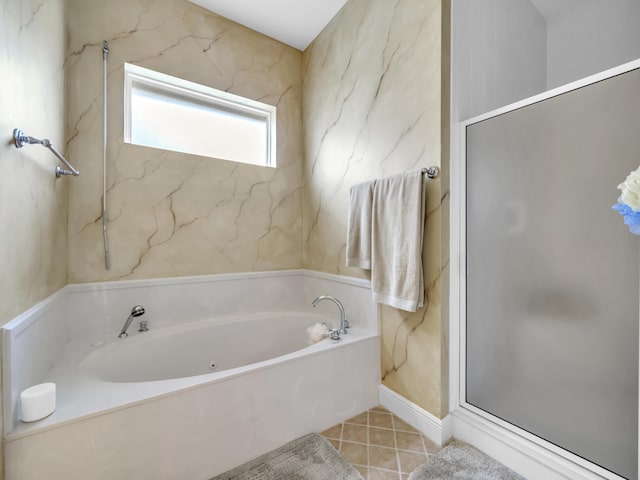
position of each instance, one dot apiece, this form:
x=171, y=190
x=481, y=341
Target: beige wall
x=33, y=211
x=174, y=214
x=372, y=108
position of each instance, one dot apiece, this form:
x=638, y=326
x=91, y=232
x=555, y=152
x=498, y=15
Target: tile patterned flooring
x=380, y=445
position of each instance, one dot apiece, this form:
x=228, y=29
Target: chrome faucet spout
x=344, y=323
x=136, y=311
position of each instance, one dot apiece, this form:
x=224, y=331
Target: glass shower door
x=553, y=273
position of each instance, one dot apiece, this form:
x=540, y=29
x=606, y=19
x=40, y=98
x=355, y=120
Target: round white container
x=38, y=402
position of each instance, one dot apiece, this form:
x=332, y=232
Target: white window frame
x=134, y=74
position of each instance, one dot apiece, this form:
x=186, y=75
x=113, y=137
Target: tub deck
x=187, y=427
x=81, y=394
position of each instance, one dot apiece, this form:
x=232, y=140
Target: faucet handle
x=144, y=327
x=334, y=334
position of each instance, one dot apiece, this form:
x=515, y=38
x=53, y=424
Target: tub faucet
x=135, y=312
x=344, y=323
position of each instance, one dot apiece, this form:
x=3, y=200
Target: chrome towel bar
x=432, y=172
x=20, y=140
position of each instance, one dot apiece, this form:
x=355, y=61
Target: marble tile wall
x=372, y=107
x=32, y=202
x=174, y=214
x=33, y=212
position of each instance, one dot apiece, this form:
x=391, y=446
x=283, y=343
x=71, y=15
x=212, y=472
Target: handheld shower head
x=136, y=311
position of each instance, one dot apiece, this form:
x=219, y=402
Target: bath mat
x=308, y=458
x=459, y=461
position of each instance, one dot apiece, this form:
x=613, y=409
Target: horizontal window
x=166, y=112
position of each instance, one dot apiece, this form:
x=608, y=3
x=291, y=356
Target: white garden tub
x=200, y=348
x=189, y=399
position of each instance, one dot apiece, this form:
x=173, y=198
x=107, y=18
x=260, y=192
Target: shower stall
x=550, y=273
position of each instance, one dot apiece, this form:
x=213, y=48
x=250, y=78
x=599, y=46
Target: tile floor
x=380, y=445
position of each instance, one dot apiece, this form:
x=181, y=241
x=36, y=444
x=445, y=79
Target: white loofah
x=317, y=332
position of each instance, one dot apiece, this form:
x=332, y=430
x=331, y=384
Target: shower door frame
x=517, y=448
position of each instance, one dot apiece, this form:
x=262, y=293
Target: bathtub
x=200, y=348
x=197, y=394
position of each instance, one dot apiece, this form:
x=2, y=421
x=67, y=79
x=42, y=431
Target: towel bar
x=432, y=172
x=20, y=140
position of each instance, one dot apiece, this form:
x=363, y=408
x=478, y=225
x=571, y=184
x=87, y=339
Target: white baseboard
x=523, y=456
x=435, y=429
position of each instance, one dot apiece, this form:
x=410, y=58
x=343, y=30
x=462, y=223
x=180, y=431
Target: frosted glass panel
x=552, y=271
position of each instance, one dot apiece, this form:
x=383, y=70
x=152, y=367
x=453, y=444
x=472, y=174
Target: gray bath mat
x=459, y=461
x=308, y=458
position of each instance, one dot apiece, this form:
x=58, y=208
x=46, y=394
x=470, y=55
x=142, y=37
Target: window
x=169, y=113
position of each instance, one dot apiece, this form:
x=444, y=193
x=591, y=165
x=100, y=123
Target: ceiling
x=298, y=22
x=294, y=22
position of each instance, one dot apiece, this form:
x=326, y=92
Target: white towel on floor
x=398, y=215
x=359, y=226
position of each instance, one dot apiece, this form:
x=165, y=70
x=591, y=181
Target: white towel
x=359, y=226
x=398, y=215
